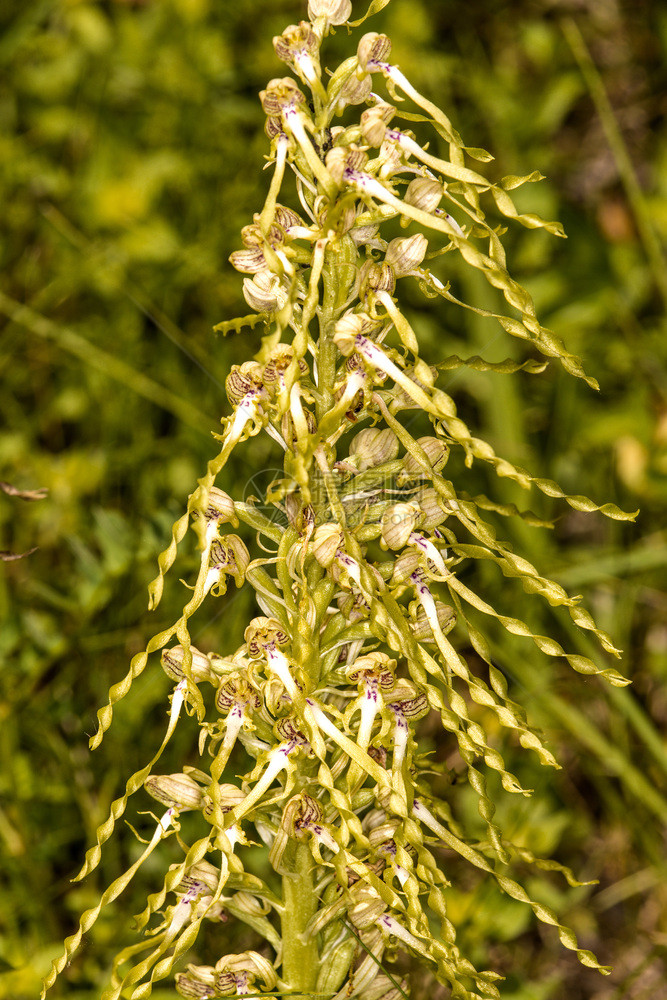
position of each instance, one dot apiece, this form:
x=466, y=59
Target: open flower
x=264, y=637
x=374, y=674
x=228, y=556
x=372, y=51
x=236, y=700
x=299, y=46
x=236, y=975
x=407, y=706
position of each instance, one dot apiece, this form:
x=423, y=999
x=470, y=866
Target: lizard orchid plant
x=362, y=572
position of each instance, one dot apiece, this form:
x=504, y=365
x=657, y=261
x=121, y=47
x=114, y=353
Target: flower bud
x=398, y=523
x=176, y=791
x=411, y=708
x=373, y=48
x=420, y=626
x=327, y=539
x=436, y=453
x=264, y=632
x=388, y=989
x=252, y=236
x=354, y=91
x=405, y=253
x=279, y=95
x=424, y=193
x=243, y=379
x=406, y=564
x=375, y=278
x=335, y=11
x=264, y=293
x=188, y=986
x=367, y=909
x=381, y=828
x=172, y=664
x=229, y=796
x=367, y=236
x=374, y=122
x=431, y=508
x=373, y=446
x=250, y=904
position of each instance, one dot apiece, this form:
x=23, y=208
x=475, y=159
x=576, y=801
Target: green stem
x=614, y=760
x=300, y=954
x=330, y=486
x=269, y=209
x=326, y=349
x=338, y=274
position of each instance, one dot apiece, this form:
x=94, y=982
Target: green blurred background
x=131, y=146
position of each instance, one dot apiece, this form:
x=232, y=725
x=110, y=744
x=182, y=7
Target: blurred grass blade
x=584, y=731
x=648, y=235
x=117, y=369
x=650, y=554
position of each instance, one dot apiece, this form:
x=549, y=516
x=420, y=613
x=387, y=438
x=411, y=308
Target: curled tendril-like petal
x=89, y=917
x=508, y=885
